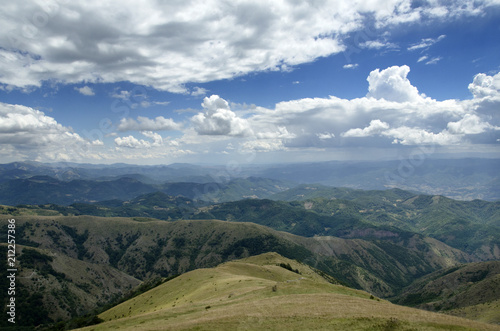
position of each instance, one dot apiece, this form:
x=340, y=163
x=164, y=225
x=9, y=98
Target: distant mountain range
x=462, y=179
x=43, y=189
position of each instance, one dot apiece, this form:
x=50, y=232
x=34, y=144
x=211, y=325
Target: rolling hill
x=382, y=242
x=144, y=249
x=471, y=226
x=471, y=290
x=267, y=292
x=51, y=286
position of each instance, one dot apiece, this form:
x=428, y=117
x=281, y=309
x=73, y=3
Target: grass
x=238, y=295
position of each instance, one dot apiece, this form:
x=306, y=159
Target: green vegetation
x=257, y=293
x=467, y=290
x=393, y=244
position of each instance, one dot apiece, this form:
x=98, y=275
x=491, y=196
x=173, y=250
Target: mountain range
x=86, y=244
x=462, y=179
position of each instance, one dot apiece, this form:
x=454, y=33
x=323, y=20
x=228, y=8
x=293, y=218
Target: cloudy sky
x=217, y=81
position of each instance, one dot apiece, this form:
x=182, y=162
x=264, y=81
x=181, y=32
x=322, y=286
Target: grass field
x=258, y=294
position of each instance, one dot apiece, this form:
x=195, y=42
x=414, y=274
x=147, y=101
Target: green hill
x=471, y=226
x=261, y=293
x=51, y=286
x=470, y=290
x=146, y=248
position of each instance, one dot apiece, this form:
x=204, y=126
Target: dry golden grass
x=240, y=296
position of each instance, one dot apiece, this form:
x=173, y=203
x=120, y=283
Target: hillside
x=261, y=292
x=309, y=210
x=52, y=286
x=471, y=226
x=145, y=248
x=470, y=290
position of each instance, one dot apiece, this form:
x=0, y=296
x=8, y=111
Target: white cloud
x=197, y=91
x=485, y=86
x=425, y=43
x=377, y=44
x=470, y=124
x=375, y=127
x=271, y=145
x=85, y=90
x=392, y=84
x=422, y=58
x=157, y=139
x=218, y=119
x=142, y=123
x=325, y=135
x=416, y=136
x=124, y=95
x=38, y=136
x=434, y=60
x=167, y=44
x=393, y=112
x=132, y=142
x=281, y=132
x=350, y=66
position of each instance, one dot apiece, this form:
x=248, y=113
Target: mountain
x=42, y=189
x=45, y=189
x=67, y=171
x=470, y=290
x=234, y=189
x=462, y=179
x=267, y=292
x=471, y=226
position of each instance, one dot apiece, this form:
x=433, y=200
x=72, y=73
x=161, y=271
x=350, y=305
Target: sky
x=232, y=82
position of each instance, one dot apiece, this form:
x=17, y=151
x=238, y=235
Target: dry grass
x=239, y=296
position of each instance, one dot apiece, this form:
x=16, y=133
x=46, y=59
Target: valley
x=85, y=245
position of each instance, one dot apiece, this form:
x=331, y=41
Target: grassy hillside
x=471, y=226
x=146, y=248
x=261, y=293
x=52, y=287
x=471, y=290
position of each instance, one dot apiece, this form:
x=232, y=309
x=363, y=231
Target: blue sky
x=248, y=81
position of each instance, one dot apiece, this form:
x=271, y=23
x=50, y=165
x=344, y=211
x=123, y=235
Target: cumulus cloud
x=470, y=124
x=393, y=112
x=415, y=136
x=392, y=84
x=485, y=86
x=167, y=44
x=39, y=136
x=132, y=142
x=85, y=90
x=142, y=123
x=218, y=119
x=375, y=127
